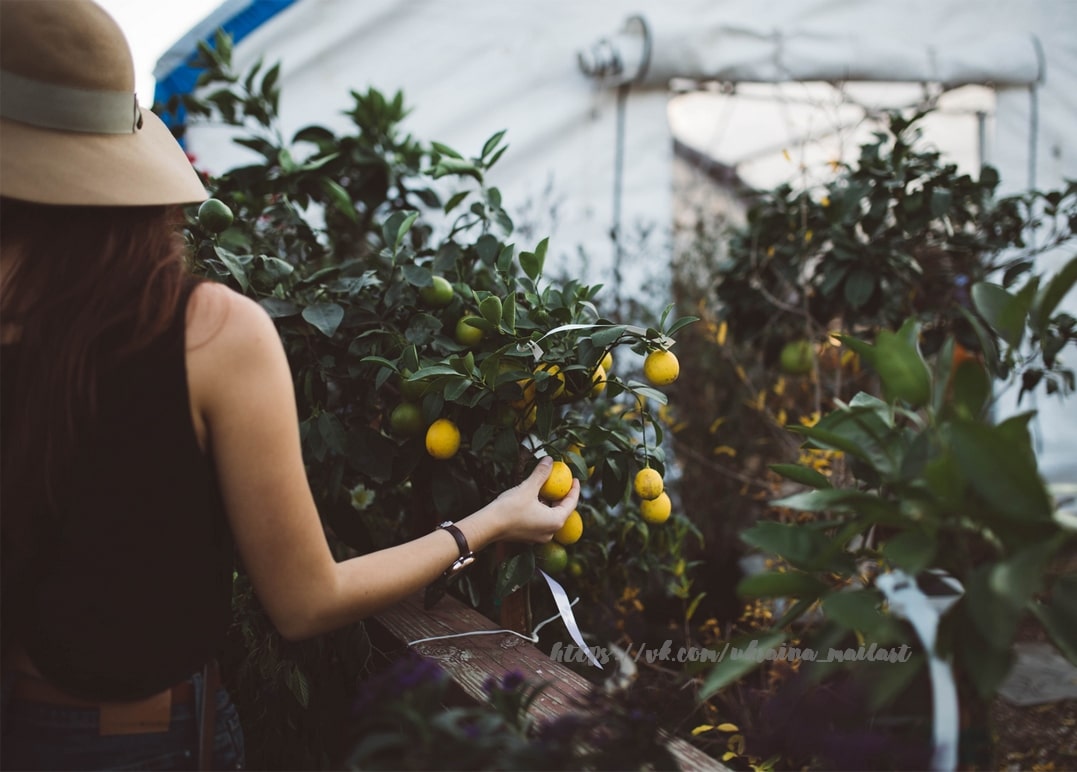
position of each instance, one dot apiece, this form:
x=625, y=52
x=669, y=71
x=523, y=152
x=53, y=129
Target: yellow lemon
x=656, y=510
x=661, y=367
x=648, y=484
x=442, y=439
x=599, y=381
x=558, y=484
x=525, y=420
x=607, y=361
x=571, y=531
x=555, y=373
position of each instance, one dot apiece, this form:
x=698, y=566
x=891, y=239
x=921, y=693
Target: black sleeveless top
x=133, y=591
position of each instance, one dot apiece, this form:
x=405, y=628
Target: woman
x=149, y=426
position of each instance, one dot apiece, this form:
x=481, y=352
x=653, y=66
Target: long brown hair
x=83, y=286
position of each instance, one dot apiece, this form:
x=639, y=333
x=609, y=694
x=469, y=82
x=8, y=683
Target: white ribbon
x=564, y=610
x=908, y=601
x=664, y=340
x=560, y=597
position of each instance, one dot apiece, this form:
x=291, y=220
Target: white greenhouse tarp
x=472, y=67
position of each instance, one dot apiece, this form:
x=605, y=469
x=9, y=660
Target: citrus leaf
x=326, y=317
x=911, y=550
x=732, y=668
x=1008, y=481
x=531, y=264
x=801, y=474
x=339, y=198
x=901, y=369
x=1003, y=311
x=787, y=584
x=1051, y=295
x=278, y=308
x=514, y=573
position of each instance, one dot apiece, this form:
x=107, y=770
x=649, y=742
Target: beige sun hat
x=71, y=130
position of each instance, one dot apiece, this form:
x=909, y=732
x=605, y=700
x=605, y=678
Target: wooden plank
x=470, y=660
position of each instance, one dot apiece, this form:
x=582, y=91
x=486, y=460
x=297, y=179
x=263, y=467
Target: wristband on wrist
x=467, y=557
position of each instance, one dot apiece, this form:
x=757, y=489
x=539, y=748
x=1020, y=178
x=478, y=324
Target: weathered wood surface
x=470, y=660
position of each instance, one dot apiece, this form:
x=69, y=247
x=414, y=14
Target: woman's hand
x=519, y=515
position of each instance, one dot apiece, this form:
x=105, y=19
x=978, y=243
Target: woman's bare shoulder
x=221, y=319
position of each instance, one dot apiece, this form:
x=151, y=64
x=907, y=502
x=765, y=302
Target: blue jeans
x=38, y=736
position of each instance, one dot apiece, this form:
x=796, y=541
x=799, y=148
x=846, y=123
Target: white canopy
x=591, y=153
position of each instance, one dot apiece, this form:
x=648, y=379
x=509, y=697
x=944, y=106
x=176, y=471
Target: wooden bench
x=471, y=660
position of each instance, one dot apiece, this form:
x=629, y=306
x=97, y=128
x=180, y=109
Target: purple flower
x=512, y=680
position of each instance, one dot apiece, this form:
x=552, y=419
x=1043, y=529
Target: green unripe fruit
x=466, y=333
x=438, y=294
x=214, y=215
x=797, y=357
x=406, y=419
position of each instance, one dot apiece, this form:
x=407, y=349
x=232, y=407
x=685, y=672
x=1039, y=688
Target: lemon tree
x=434, y=360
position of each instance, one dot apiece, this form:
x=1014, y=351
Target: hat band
x=49, y=106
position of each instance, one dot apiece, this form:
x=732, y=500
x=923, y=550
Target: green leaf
x=422, y=329
x=326, y=317
x=1059, y=617
x=856, y=609
x=540, y=252
x=859, y=287
x=607, y=336
x=971, y=389
x=432, y=370
x=985, y=665
x=997, y=594
x=491, y=309
x=788, y=584
x=1051, y=295
x=888, y=683
x=445, y=150
x=912, y=550
x=864, y=431
x=234, y=266
x=532, y=262
x=455, y=199
x=403, y=228
x=802, y=475
x=456, y=166
x=332, y=432
x=1004, y=312
x=508, y=314
x=901, y=369
x=863, y=504
x=1004, y=475
x=492, y=143
x=735, y=666
x=504, y=258
x=278, y=308
x=514, y=573
x=801, y=546
x=680, y=324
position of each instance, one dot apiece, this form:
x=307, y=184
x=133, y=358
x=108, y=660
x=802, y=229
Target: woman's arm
x=243, y=405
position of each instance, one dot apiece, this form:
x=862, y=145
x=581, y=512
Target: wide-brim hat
x=71, y=129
